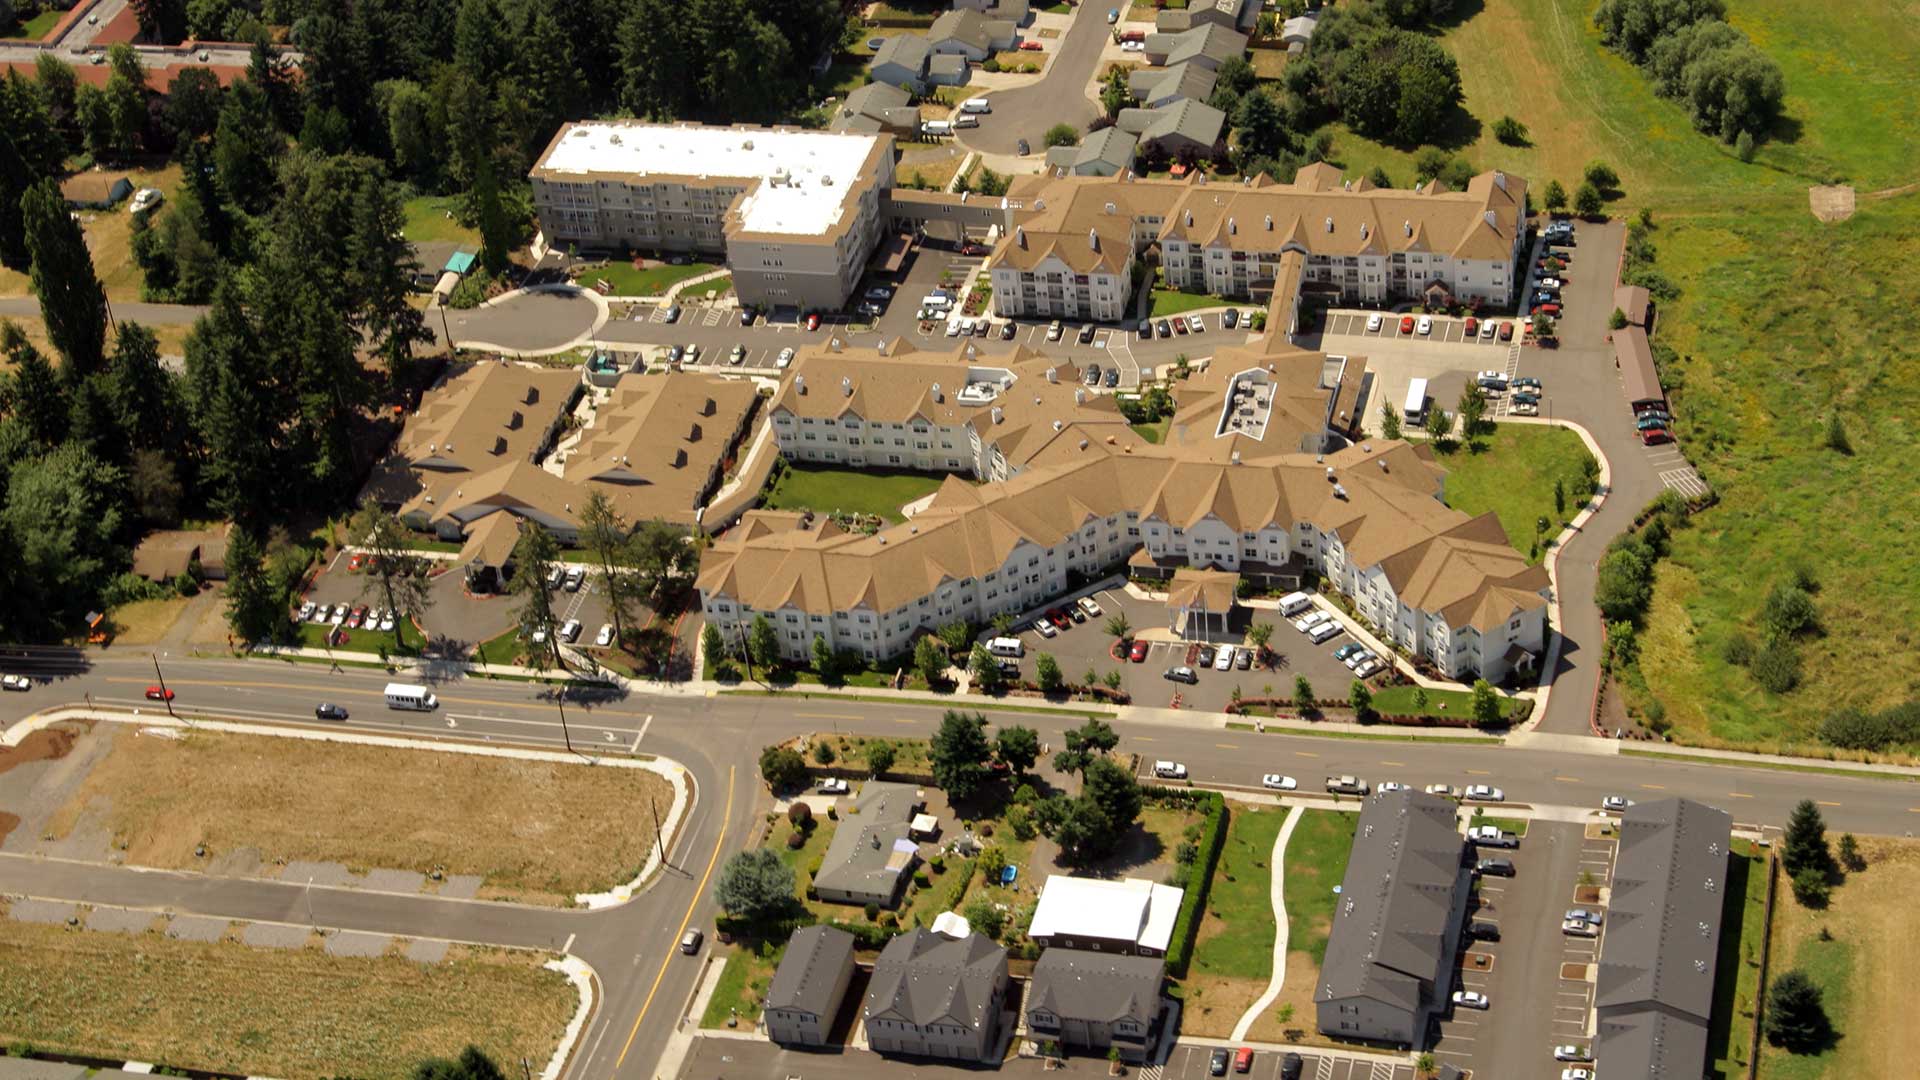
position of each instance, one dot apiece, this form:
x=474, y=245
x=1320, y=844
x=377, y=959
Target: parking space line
x=1304, y=753
x=1744, y=795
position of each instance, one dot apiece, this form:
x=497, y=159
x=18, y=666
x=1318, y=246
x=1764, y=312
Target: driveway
x=1058, y=96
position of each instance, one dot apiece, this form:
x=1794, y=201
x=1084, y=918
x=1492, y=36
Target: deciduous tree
x=534, y=556
x=755, y=885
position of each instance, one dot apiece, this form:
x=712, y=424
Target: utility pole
x=166, y=697
x=310, y=921
x=746, y=651
x=659, y=843
x=560, y=697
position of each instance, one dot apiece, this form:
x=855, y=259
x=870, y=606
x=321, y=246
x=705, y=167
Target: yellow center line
x=825, y=716
x=1303, y=753
x=1478, y=772
x=1738, y=795
x=1654, y=787
x=1569, y=779
x=1145, y=738
x=1824, y=802
x=338, y=692
x=1227, y=746
x=718, y=843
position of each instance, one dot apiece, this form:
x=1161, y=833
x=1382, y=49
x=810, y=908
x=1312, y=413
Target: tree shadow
x=1461, y=11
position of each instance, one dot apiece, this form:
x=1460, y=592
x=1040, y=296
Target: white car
x=1276, y=782
x=22, y=683
x=1046, y=628
x=1445, y=791
x=1092, y=609
x=1469, y=999
x=570, y=631
x=605, y=637
x=1194, y=323
x=144, y=199
x=1055, y=329
x=1571, y=1073
x=1369, y=669
x=1578, y=928
x=1615, y=803
x=1526, y=408
x=1373, y=323
x=1325, y=632
x=1488, y=328
x=387, y=620
x=1426, y=325
x=1551, y=283
x=1485, y=793
x=1311, y=619
x=540, y=636
x=1133, y=46
x=1570, y=1052
x=1354, y=661
x=833, y=786
x=1171, y=770
x=1223, y=660
x=1390, y=785
x=953, y=328
x=785, y=357
x=1492, y=836
x=306, y=612
x=1492, y=380
x=339, y=614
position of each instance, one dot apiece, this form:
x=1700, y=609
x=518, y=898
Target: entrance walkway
x=1279, y=978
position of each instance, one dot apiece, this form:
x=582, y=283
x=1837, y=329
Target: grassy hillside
x=1784, y=321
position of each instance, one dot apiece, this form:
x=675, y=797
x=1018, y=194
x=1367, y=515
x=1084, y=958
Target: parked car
x=813, y=320
x=1243, y=658
x=1369, y=669
x=1406, y=324
x=1092, y=375
x=605, y=637
x=832, y=785
x=1552, y=283
x=1526, y=408
x=746, y=316
x=1217, y=1062
x=1492, y=380
x=1138, y=652
x=1224, y=660
x=1578, y=928
x=1059, y=619
x=1346, y=785
x=1006, y=331
x=1373, y=323
x=1347, y=650
x=1527, y=382
x=1649, y=421
x=1165, y=328
x=738, y=356
x=1194, y=323
x=1488, y=329
x=1551, y=310
x=16, y=683
x=1576, y=1074
x=1180, y=325
x=1229, y=319
x=1054, y=330
x=1485, y=793
x=156, y=693
x=1655, y=436
x=1311, y=619
x=1182, y=674
x=1615, y=803
x=1113, y=378
x=576, y=577
x=785, y=358
x=1088, y=605
x=1046, y=628
x=1426, y=325
x=1469, y=999
x=1086, y=334
x=1443, y=790
x=1506, y=331
x=1030, y=46
x=1388, y=787
x=1494, y=866
x=1073, y=612
x=1354, y=660
x=570, y=631
x=1277, y=782
x=1571, y=1052
x=693, y=352
x=1146, y=329
x=672, y=314
x=1292, y=1066
x=329, y=711
x=953, y=328
x=1325, y=632
x=880, y=292
x=1483, y=931
x=1492, y=836
x=1524, y=397
x=1243, y=1059
x=1170, y=770
x=1204, y=656
x=1585, y=915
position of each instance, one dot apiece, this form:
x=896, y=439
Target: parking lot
x=1190, y=1063
x=1446, y=358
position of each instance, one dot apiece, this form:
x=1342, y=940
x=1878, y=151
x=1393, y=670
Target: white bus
x=1416, y=406
x=408, y=696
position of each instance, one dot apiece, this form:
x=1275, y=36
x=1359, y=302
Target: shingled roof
x=923, y=978
x=1391, y=933
x=1103, y=987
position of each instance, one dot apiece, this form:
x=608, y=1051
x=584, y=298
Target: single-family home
x=872, y=854
x=809, y=986
x=1207, y=45
x=937, y=996
x=164, y=555
x=949, y=69
x=1241, y=15
x=878, y=107
x=902, y=62
x=971, y=34
x=1185, y=126
x=1016, y=12
x=1156, y=88
x=1390, y=955
x=95, y=190
x=1133, y=917
x=1107, y=152
x=1095, y=1001
x=1297, y=31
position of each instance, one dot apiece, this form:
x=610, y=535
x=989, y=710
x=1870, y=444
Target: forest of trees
x=287, y=223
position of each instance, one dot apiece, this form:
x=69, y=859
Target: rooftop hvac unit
x=1057, y=425
x=1339, y=492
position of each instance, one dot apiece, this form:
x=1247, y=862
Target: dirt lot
x=565, y=829
x=302, y=1013
x=1865, y=970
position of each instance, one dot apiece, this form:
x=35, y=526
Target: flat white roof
x=1133, y=910
x=806, y=174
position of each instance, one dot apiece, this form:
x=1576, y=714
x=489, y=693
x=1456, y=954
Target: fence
x=1760, y=987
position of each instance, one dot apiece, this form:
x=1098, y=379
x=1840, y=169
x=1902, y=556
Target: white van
x=965, y=119
x=976, y=105
x=1295, y=602
x=1006, y=646
x=937, y=302
x=936, y=128
x=408, y=696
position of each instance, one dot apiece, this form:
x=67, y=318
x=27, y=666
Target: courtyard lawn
x=1236, y=937
x=1155, y=431
x=1511, y=472
x=435, y=219
x=624, y=280
x=1782, y=323
x=1398, y=701
x=35, y=28
x=1316, y=861
x=1173, y=302
x=858, y=491
x=1742, y=926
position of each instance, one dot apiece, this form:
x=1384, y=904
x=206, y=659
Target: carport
x=1200, y=603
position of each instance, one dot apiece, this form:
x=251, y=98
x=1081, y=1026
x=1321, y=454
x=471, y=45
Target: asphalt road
x=1058, y=96
x=644, y=980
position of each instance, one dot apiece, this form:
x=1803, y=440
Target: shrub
x=1776, y=666
x=1199, y=874
x=1811, y=887
x=1788, y=612
x=1510, y=131
x=823, y=751
x=796, y=839
x=1602, y=176
x=1743, y=146
x=872, y=911
x=1737, y=650
x=800, y=815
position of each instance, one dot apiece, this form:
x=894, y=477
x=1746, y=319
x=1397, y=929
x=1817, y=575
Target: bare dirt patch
x=298, y=1013
x=1831, y=203
x=534, y=831
x=47, y=744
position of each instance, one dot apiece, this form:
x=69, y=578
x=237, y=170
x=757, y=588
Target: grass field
x=145, y=621
x=35, y=28
x=1783, y=322
x=1155, y=431
x=1743, y=924
x=651, y=281
x=232, y=1009
x=434, y=219
x=368, y=806
x=1863, y=972
x=1511, y=472
x=1236, y=937
x=172, y=337
x=403, y=639
x=1173, y=302
x=1398, y=701
x=861, y=491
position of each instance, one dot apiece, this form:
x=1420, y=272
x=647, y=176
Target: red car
x=1472, y=327
x=813, y=321
x=1406, y=325
x=1243, y=1059
x=355, y=562
x=1650, y=437
x=155, y=693
x=1138, y=653
x=973, y=249
x=1547, y=309
x=1060, y=619
x=357, y=616
x=1032, y=46
x=1506, y=331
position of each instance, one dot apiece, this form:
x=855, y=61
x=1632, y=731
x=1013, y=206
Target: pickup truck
x=1492, y=836
x=1346, y=785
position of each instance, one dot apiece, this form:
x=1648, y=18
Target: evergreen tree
x=763, y=644
x=471, y=1065
x=603, y=533
x=126, y=102
x=254, y=612
x=381, y=267
x=63, y=522
x=240, y=411
x=193, y=104
x=959, y=753
x=1805, y=846
x=58, y=86
x=246, y=147
x=30, y=396
x=1796, y=1016
x=396, y=574
x=265, y=75
x=71, y=299
x=534, y=555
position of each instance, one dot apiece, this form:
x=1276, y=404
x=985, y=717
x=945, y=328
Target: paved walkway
x=1277, y=868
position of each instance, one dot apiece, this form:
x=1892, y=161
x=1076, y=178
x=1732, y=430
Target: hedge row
x=1199, y=874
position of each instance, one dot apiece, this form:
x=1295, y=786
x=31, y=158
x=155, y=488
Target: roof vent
x=1233, y=228
x=1053, y=374
x=936, y=393
x=1500, y=179
x=1491, y=218
x=1366, y=448
x=1408, y=226
x=1083, y=444
x=748, y=145
x=1093, y=239
x=1339, y=492
x=1079, y=398
x=1329, y=224
x=1269, y=222
x=1057, y=425
x=800, y=384
x=1112, y=209
x=1189, y=219
x=1039, y=204
x=1329, y=471
x=1382, y=462
x=846, y=386
x=1346, y=185
x=1236, y=457
x=999, y=414
x=1020, y=235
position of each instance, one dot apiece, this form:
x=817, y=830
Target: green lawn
x=1742, y=926
x=1849, y=79
x=403, y=639
x=1398, y=701
x=35, y=28
x=1516, y=826
x=1173, y=302
x=1236, y=941
x=743, y=983
x=1783, y=322
x=1316, y=862
x=1155, y=431
x=428, y=222
x=860, y=491
x=652, y=281
x=1511, y=472
x=500, y=648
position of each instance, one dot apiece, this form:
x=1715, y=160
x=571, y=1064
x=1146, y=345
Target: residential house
x=1298, y=31
x=949, y=69
x=1133, y=917
x=1396, y=923
x=878, y=107
x=1094, y=1001
x=969, y=34
x=937, y=996
x=871, y=855
x=1107, y=152
x=95, y=190
x=165, y=555
x=1187, y=128
x=1207, y=45
x=1241, y=15
x=1016, y=12
x=901, y=62
x=1156, y=88
x=808, y=986
x=1654, y=994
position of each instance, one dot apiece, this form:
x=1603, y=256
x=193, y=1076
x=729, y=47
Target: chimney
x=531, y=396
x=846, y=386
x=1020, y=236
x=1233, y=228
x=680, y=458
x=1329, y=224
x=1408, y=226
x=709, y=408
x=1093, y=237
x=1189, y=219
x=693, y=433
x=1346, y=185
x=800, y=385
x=1500, y=179
x=515, y=419
x=1363, y=230
x=1269, y=222
x=937, y=395
x=1053, y=375
x=1236, y=457
x=1079, y=396
x=999, y=414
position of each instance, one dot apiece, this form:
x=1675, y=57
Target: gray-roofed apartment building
x=937, y=996
x=809, y=986
x=1396, y=923
x=1097, y=1000
x=1654, y=994
x=871, y=855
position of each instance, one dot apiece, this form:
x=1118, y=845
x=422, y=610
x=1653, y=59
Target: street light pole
x=166, y=697
x=561, y=698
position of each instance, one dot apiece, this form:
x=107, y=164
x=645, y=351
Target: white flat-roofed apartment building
x=795, y=213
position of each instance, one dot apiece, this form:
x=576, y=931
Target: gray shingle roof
x=924, y=978
x=1165, y=84
x=1097, y=986
x=857, y=858
x=1391, y=927
x=1213, y=43
x=1195, y=120
x=1654, y=992
x=906, y=50
x=811, y=968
